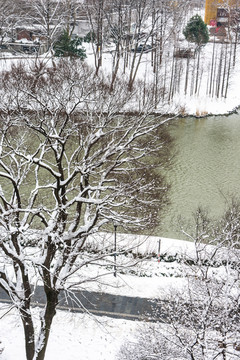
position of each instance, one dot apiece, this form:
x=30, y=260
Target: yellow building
x=212, y=6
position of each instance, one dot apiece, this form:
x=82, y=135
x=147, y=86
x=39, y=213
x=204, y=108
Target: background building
x=219, y=10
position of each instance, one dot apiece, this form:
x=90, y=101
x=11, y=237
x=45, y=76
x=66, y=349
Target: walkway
x=101, y=304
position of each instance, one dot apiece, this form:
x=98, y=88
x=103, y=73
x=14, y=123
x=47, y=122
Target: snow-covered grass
x=139, y=271
x=73, y=336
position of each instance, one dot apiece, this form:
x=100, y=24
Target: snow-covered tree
x=66, y=46
x=200, y=320
x=196, y=31
x=50, y=17
x=72, y=162
x=9, y=19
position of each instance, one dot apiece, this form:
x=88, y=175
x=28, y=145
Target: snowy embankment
x=147, y=266
x=139, y=271
x=202, y=103
x=205, y=101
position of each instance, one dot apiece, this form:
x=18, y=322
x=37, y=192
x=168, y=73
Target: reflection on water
x=206, y=168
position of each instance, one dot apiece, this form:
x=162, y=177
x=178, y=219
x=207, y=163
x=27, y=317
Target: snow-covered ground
x=81, y=336
x=200, y=104
x=73, y=336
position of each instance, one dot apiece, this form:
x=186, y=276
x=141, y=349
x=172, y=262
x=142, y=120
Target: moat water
x=205, y=171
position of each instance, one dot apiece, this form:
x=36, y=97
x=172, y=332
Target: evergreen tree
x=66, y=46
x=196, y=31
x=90, y=37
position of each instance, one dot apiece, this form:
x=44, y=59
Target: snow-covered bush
x=1, y=348
x=151, y=342
x=201, y=320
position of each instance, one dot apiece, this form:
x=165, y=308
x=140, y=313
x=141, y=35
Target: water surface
x=206, y=168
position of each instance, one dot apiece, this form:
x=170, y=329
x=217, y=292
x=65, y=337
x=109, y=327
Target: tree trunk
x=228, y=72
x=235, y=48
x=24, y=310
x=225, y=69
x=214, y=77
x=197, y=75
x=115, y=67
x=192, y=78
x=46, y=322
x=186, y=76
x=212, y=66
x=219, y=77
x=172, y=76
x=28, y=332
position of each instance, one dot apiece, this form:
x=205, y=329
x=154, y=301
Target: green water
x=206, y=168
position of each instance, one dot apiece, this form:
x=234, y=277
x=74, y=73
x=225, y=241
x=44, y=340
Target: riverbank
x=204, y=101
x=184, y=103
x=208, y=99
